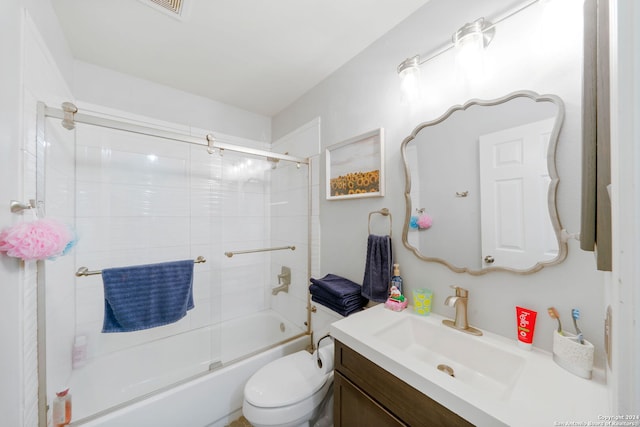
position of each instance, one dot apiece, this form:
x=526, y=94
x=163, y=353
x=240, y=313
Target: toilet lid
x=285, y=381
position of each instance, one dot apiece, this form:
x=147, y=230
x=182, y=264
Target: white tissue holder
x=571, y=355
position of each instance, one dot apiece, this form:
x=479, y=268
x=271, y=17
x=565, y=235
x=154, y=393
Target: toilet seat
x=295, y=415
x=285, y=381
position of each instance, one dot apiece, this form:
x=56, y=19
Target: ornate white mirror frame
x=557, y=255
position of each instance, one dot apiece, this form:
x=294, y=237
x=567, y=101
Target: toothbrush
x=575, y=313
x=553, y=313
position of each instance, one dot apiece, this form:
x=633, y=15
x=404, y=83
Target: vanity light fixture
x=470, y=40
x=477, y=33
x=409, y=72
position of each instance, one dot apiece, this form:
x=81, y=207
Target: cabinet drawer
x=353, y=408
x=399, y=398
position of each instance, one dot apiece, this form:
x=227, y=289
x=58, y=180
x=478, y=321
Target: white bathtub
x=213, y=399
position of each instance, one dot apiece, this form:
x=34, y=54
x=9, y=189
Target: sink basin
x=430, y=345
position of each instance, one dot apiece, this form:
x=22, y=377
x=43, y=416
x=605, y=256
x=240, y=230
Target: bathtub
x=212, y=398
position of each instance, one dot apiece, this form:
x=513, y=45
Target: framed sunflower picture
x=355, y=167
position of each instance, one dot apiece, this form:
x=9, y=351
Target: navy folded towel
x=377, y=272
x=337, y=293
x=345, y=311
x=346, y=301
x=337, y=285
x=146, y=296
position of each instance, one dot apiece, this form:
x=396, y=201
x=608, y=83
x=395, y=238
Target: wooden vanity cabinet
x=365, y=395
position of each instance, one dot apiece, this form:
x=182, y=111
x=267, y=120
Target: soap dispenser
x=396, y=280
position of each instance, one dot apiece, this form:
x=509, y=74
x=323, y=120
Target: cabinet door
x=353, y=408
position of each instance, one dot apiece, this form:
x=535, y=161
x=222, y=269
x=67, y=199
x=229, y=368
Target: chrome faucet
x=284, y=280
x=459, y=301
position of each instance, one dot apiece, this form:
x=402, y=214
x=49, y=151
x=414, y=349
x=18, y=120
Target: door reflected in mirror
x=484, y=173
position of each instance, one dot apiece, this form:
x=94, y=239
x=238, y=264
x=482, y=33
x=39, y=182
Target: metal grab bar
x=249, y=251
x=84, y=271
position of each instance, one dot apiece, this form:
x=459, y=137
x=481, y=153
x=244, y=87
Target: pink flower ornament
x=424, y=221
x=36, y=240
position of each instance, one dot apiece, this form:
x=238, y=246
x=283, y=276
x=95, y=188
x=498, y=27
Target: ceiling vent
x=173, y=8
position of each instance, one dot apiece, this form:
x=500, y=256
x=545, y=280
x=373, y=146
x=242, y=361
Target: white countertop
x=543, y=395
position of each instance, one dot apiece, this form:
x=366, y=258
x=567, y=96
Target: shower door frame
x=209, y=142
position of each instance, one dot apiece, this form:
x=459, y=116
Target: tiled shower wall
x=143, y=199
x=136, y=199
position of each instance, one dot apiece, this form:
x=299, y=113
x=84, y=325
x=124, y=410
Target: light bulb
x=409, y=73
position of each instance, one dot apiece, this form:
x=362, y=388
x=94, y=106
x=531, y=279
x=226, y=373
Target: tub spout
x=278, y=289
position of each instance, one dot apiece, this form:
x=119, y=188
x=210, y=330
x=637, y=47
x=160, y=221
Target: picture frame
x=355, y=167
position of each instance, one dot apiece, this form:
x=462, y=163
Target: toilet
x=290, y=391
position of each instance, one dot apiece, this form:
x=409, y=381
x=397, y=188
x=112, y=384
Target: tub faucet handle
x=284, y=280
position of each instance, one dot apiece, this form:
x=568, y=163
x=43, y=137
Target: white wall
x=100, y=86
x=364, y=94
x=622, y=291
x=11, y=392
x=26, y=75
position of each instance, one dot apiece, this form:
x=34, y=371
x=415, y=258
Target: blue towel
x=377, y=272
x=345, y=311
x=146, y=296
x=337, y=293
x=337, y=285
x=346, y=301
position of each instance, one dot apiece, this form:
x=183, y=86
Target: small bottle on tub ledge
x=62, y=408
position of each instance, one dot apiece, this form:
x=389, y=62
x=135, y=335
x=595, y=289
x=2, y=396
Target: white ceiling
x=258, y=55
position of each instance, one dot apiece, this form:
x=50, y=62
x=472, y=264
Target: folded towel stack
x=337, y=293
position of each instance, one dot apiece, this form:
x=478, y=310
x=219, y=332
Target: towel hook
x=383, y=212
x=17, y=207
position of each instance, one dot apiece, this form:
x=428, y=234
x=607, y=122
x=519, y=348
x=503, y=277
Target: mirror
x=481, y=186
